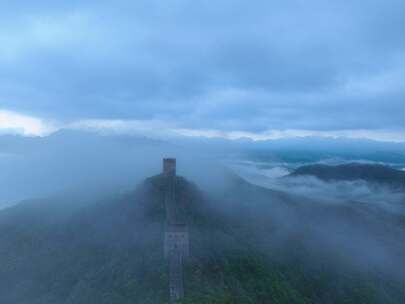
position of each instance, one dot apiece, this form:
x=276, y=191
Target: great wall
x=176, y=238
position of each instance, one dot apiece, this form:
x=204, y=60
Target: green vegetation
x=111, y=253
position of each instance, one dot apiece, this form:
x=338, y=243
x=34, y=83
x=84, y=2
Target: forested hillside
x=247, y=245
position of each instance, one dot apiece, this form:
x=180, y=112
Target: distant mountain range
x=373, y=173
x=40, y=166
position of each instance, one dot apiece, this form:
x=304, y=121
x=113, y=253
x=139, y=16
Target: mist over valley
x=91, y=219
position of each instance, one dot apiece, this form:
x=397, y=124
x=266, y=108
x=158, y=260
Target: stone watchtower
x=169, y=166
x=176, y=240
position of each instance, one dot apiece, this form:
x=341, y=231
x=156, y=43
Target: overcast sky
x=231, y=68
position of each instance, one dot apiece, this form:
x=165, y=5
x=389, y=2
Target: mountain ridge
x=373, y=173
x=248, y=245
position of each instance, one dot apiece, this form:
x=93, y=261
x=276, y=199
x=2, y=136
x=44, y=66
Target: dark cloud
x=231, y=65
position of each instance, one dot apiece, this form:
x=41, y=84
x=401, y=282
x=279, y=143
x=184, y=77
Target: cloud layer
x=232, y=66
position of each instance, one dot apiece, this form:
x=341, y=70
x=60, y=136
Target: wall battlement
x=176, y=239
